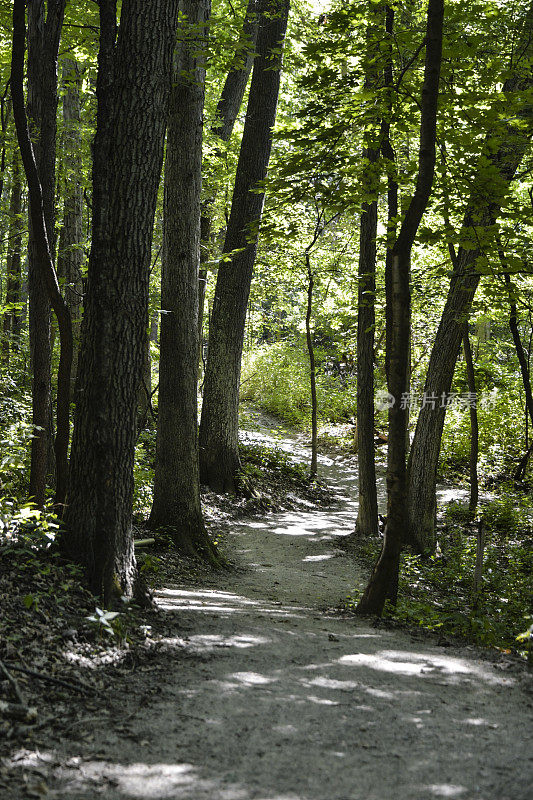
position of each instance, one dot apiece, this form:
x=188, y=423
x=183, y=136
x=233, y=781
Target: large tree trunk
x=44, y=29
x=505, y=146
x=11, y=322
x=132, y=89
x=219, y=446
x=176, y=506
x=384, y=579
x=70, y=255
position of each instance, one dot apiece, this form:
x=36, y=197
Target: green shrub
x=276, y=377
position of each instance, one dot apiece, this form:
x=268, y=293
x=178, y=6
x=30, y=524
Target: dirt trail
x=264, y=696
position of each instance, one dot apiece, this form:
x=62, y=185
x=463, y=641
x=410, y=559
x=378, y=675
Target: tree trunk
x=312, y=368
x=176, y=506
x=133, y=88
x=367, y=517
x=145, y=388
x=41, y=250
x=392, y=183
x=474, y=426
x=235, y=85
x=504, y=148
x=522, y=359
x=44, y=30
x=70, y=251
x=11, y=322
x=219, y=445
x=228, y=107
x=383, y=583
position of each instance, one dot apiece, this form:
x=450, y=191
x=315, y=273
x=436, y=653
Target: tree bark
x=384, y=579
x=70, y=250
x=133, y=88
x=176, y=507
x=521, y=356
x=11, y=322
x=474, y=425
x=312, y=368
x=228, y=107
x=234, y=88
x=504, y=149
x=41, y=251
x=219, y=446
x=44, y=30
x=367, y=517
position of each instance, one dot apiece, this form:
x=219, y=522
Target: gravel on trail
x=264, y=692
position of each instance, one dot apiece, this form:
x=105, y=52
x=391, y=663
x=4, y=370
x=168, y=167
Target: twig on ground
x=14, y=684
x=17, y=711
x=78, y=687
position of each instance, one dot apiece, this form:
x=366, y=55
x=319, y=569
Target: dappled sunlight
x=322, y=557
x=210, y=601
x=445, y=789
x=410, y=663
x=209, y=641
x=250, y=678
x=138, y=780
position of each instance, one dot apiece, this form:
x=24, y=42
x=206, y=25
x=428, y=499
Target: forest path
x=259, y=693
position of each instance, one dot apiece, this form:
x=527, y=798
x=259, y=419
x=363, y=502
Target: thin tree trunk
x=521, y=356
x=384, y=579
x=228, y=107
x=503, y=151
x=5, y=108
x=70, y=250
x=392, y=183
x=312, y=368
x=474, y=425
x=11, y=322
x=176, y=507
x=234, y=88
x=205, y=242
x=41, y=250
x=145, y=389
x=44, y=30
x=219, y=445
x=133, y=88
x=367, y=517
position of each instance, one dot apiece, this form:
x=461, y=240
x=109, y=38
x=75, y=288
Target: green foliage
x=257, y=458
x=143, y=473
x=437, y=593
x=500, y=433
x=276, y=378
x=15, y=435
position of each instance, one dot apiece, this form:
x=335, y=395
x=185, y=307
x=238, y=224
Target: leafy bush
x=500, y=434
x=276, y=377
x=143, y=473
x=438, y=593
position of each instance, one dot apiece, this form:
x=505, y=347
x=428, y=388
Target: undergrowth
x=437, y=593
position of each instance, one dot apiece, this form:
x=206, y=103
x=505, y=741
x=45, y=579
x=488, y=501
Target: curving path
x=264, y=695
